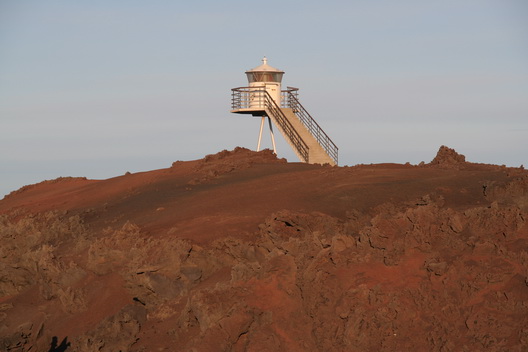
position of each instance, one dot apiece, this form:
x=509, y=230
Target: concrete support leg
x=272, y=136
x=260, y=133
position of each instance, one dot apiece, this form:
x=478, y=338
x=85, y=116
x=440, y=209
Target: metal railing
x=290, y=100
x=248, y=98
x=259, y=99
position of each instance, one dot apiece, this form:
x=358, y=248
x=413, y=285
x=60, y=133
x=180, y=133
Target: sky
x=103, y=87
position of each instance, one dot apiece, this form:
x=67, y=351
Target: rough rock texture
x=447, y=157
x=243, y=252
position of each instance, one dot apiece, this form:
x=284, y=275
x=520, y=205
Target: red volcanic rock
x=241, y=251
x=447, y=157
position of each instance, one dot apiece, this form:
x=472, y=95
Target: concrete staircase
x=316, y=153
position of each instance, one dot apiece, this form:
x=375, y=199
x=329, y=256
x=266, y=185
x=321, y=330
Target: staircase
x=307, y=139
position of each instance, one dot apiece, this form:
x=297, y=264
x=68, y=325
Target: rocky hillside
x=241, y=251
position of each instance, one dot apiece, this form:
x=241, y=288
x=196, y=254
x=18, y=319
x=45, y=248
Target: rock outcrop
x=447, y=158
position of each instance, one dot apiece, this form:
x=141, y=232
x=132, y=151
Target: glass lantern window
x=264, y=77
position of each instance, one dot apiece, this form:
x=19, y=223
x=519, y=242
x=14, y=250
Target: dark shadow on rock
x=60, y=348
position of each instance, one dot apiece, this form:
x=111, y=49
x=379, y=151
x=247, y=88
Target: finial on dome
x=264, y=61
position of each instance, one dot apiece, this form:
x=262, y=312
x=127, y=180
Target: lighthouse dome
x=264, y=73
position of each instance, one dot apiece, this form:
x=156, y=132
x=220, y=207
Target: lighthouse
x=265, y=98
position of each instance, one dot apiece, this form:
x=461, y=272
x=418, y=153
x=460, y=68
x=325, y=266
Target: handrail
x=291, y=101
x=253, y=97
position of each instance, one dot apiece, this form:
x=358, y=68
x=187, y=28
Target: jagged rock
x=447, y=158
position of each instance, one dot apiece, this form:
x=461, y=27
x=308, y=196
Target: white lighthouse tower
x=264, y=97
x=264, y=77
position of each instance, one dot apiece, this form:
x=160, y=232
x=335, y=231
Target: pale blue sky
x=99, y=88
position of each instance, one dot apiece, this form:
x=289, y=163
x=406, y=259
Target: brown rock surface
x=447, y=157
x=240, y=251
